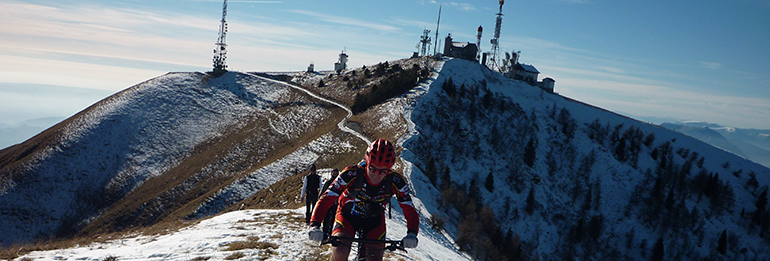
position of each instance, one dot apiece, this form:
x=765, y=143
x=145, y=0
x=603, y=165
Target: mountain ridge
x=135, y=137
x=753, y=144
x=551, y=171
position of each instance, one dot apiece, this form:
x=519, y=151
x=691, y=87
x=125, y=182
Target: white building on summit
x=342, y=63
x=525, y=72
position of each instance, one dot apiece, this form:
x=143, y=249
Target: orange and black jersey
x=370, y=199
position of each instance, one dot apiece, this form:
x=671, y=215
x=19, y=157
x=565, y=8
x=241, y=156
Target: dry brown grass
x=178, y=192
x=12, y=252
x=284, y=194
x=344, y=91
x=251, y=243
x=128, y=217
x=234, y=256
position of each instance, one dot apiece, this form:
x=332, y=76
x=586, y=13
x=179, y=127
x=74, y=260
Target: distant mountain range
x=753, y=144
x=16, y=133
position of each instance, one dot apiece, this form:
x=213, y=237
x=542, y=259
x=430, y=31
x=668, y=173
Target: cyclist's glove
x=410, y=240
x=315, y=234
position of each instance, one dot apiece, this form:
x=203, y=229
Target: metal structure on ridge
x=220, y=51
x=495, y=41
x=424, y=42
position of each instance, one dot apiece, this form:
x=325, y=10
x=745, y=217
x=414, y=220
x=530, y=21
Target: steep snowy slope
x=147, y=152
x=555, y=174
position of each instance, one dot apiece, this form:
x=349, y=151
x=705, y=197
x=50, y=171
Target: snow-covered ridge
x=464, y=145
x=118, y=143
x=208, y=239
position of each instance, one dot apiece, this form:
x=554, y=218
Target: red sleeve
x=324, y=203
x=403, y=195
x=412, y=218
x=331, y=195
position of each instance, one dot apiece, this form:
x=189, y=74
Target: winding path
x=342, y=124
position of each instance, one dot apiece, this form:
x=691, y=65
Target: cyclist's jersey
x=371, y=200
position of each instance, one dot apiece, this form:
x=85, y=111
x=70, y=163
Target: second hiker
x=309, y=195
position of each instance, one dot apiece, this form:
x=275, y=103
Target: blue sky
x=705, y=60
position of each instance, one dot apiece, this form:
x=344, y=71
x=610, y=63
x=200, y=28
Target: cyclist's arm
x=331, y=195
x=403, y=195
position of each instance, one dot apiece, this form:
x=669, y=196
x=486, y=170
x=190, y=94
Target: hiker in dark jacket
x=309, y=195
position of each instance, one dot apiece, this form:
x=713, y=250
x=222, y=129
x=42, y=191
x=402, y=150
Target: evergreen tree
x=449, y=87
x=474, y=195
x=445, y=178
x=722, y=244
x=620, y=150
x=584, y=170
x=760, y=215
x=649, y=139
x=488, y=98
x=529, y=153
x=530, y=208
x=595, y=226
x=657, y=250
x=579, y=230
x=430, y=170
x=594, y=130
x=568, y=124
x=489, y=183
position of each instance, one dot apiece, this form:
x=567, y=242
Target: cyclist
x=362, y=192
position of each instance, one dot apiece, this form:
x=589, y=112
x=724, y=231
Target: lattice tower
x=220, y=51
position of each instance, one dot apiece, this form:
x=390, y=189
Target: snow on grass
x=544, y=230
x=248, y=185
x=126, y=139
x=267, y=234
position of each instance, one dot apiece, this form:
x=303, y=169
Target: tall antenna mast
x=425, y=42
x=493, y=63
x=437, y=24
x=220, y=51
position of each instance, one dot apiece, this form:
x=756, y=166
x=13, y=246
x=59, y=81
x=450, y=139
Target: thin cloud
x=413, y=23
x=612, y=69
x=462, y=6
x=661, y=100
x=577, y=1
x=710, y=65
x=457, y=5
x=346, y=21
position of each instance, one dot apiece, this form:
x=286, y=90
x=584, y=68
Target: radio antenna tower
x=493, y=63
x=220, y=51
x=437, y=24
x=425, y=42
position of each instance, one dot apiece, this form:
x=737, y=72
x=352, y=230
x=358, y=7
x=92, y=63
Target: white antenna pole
x=437, y=24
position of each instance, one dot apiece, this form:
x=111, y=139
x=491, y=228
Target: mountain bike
x=390, y=245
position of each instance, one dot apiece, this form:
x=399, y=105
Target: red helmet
x=381, y=154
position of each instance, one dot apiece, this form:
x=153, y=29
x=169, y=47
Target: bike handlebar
x=391, y=245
